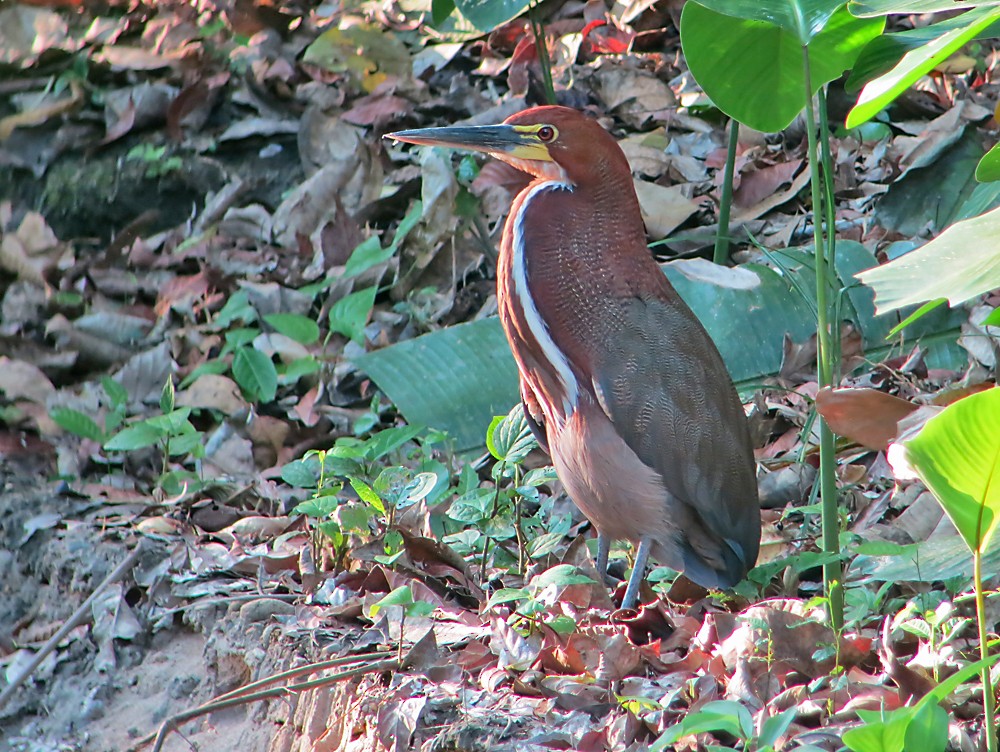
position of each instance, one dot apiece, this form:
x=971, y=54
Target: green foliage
x=534, y=600
x=349, y=315
x=955, y=266
x=300, y=328
x=155, y=160
x=880, y=92
x=402, y=596
x=732, y=718
x=752, y=68
x=957, y=455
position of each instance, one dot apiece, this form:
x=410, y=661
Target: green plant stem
x=989, y=700
x=538, y=29
x=721, y=254
x=832, y=572
x=830, y=215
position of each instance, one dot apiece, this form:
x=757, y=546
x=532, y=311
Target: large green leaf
x=988, y=169
x=753, y=70
x=884, y=52
x=957, y=456
x=486, y=15
x=960, y=263
x=804, y=19
x=933, y=195
x=887, y=7
x=455, y=379
x=916, y=63
x=934, y=560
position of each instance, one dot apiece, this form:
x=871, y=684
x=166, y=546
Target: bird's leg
x=638, y=573
x=603, y=548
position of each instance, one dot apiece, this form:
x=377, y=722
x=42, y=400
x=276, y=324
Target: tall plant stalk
x=721, y=253
x=542, y=48
x=989, y=698
x=832, y=571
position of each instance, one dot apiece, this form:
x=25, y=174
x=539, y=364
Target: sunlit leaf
x=957, y=456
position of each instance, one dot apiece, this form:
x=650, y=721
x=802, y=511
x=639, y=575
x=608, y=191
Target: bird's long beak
x=498, y=140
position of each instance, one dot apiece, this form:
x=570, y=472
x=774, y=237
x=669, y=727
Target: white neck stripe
x=536, y=324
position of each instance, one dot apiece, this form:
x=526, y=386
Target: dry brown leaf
x=21, y=380
x=663, y=208
x=213, y=391
x=866, y=416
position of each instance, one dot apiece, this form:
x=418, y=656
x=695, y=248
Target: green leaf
x=255, y=373
x=389, y=440
x=137, y=436
x=353, y=517
x=171, y=423
x=319, y=507
x=507, y=595
x=959, y=264
x=562, y=624
x=456, y=379
x=916, y=63
x=294, y=326
x=401, y=596
x=881, y=732
x=906, y=7
x=115, y=391
x=882, y=54
x=487, y=15
x=988, y=169
x=77, y=423
x=167, y=395
x=366, y=255
x=366, y=494
x=804, y=19
x=884, y=548
x=509, y=438
x=440, y=10
x=237, y=308
x=292, y=372
x=472, y=507
x=722, y=715
x=957, y=456
x=561, y=575
x=301, y=473
x=544, y=544
x=775, y=727
x=753, y=70
x=349, y=315
x=917, y=314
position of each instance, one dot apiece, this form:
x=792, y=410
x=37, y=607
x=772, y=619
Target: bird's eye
x=546, y=133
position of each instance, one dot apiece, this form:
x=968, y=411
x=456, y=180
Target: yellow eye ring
x=546, y=133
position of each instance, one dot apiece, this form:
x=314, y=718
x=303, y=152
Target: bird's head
x=551, y=143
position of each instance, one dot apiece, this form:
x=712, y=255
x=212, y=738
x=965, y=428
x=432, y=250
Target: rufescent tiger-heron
x=621, y=382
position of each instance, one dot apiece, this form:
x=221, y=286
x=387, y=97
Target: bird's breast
x=568, y=257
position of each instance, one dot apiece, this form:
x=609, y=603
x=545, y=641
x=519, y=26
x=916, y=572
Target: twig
x=240, y=697
x=76, y=619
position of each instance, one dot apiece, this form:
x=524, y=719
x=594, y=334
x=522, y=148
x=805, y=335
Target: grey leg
x=603, y=548
x=638, y=573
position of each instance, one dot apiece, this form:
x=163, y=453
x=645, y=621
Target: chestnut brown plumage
x=625, y=389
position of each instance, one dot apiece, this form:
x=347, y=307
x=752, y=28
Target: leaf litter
x=234, y=171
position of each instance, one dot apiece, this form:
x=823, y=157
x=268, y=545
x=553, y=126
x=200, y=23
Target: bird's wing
x=663, y=384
